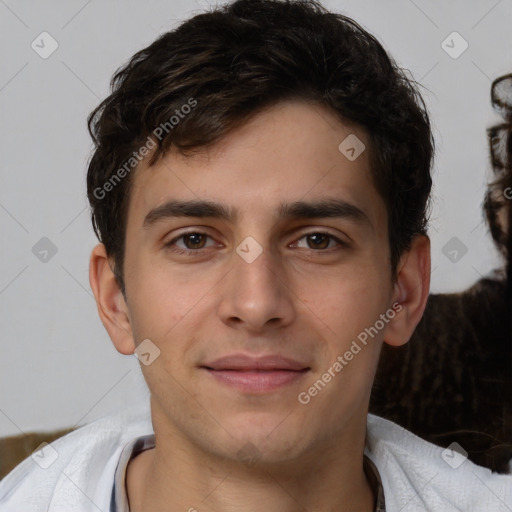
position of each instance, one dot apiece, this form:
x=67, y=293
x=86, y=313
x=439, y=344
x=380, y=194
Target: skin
x=306, y=298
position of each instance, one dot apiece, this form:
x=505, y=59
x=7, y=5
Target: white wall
x=57, y=366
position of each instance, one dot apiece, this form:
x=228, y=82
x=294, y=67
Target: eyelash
x=197, y=252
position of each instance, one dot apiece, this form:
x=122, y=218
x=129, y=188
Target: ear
x=410, y=292
x=111, y=304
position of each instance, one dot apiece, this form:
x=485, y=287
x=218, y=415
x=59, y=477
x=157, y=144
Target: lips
x=256, y=375
x=241, y=362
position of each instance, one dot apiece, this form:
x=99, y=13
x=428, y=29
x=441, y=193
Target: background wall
x=58, y=367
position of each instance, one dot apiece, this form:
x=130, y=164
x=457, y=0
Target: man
x=259, y=186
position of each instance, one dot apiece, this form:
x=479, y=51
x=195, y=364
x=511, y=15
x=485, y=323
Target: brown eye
x=319, y=241
x=190, y=243
x=194, y=240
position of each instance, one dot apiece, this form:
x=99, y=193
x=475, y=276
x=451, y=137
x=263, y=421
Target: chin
x=265, y=438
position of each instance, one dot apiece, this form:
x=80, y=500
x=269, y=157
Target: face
x=254, y=267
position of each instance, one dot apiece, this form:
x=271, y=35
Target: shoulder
x=74, y=469
x=418, y=475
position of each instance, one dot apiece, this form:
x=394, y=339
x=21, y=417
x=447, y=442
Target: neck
x=178, y=476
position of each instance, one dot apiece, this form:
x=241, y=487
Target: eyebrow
x=324, y=208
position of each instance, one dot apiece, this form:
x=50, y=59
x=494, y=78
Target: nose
x=255, y=295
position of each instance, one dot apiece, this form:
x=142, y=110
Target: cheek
x=159, y=300
x=347, y=301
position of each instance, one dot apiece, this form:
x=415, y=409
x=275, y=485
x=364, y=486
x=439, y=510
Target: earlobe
x=110, y=302
x=411, y=291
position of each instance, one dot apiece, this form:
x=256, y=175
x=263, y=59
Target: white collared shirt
x=416, y=475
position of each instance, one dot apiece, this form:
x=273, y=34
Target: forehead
x=291, y=152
